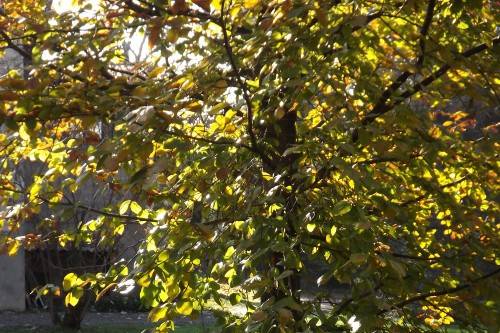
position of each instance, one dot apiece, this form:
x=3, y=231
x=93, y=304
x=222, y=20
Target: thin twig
x=423, y=196
x=243, y=87
x=25, y=54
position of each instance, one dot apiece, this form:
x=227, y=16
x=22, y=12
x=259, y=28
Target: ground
x=105, y=329
x=95, y=322
x=112, y=322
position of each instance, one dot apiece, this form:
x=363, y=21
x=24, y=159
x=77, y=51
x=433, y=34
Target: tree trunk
x=73, y=315
x=282, y=135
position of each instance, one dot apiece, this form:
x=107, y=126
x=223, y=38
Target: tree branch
x=382, y=108
x=382, y=102
x=25, y=54
x=82, y=207
x=425, y=29
x=207, y=140
x=423, y=196
x=157, y=11
x=423, y=297
x=407, y=256
x=244, y=89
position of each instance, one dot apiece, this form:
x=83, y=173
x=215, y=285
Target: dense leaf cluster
x=257, y=143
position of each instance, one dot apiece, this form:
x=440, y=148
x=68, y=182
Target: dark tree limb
x=244, y=89
x=25, y=54
x=424, y=296
x=157, y=11
x=388, y=93
x=385, y=107
x=425, y=195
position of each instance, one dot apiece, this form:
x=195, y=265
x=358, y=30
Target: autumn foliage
x=309, y=162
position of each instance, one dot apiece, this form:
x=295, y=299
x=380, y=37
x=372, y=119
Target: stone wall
x=10, y=60
x=12, y=288
x=12, y=281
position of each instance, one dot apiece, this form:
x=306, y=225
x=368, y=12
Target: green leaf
x=284, y=275
x=358, y=258
x=341, y=208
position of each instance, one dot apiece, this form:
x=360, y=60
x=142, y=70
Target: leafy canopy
x=258, y=143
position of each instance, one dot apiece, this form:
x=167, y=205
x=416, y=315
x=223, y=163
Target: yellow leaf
x=329, y=239
x=185, y=308
x=249, y=4
x=230, y=273
x=23, y=132
x=139, y=92
x=266, y=176
x=144, y=281
x=135, y=207
x=120, y=229
x=172, y=35
x=216, y=4
x=70, y=300
x=310, y=227
x=35, y=190
x=69, y=280
x=238, y=225
x=157, y=314
x=229, y=253
x=124, y=206
x=157, y=71
x=73, y=297
x=13, y=247
x=230, y=129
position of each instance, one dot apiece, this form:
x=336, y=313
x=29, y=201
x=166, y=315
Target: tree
x=255, y=138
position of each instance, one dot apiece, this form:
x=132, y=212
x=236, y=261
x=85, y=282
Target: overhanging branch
x=385, y=107
x=25, y=54
x=244, y=89
x=424, y=296
x=382, y=102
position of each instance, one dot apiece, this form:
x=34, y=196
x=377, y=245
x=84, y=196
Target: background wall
x=12, y=285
